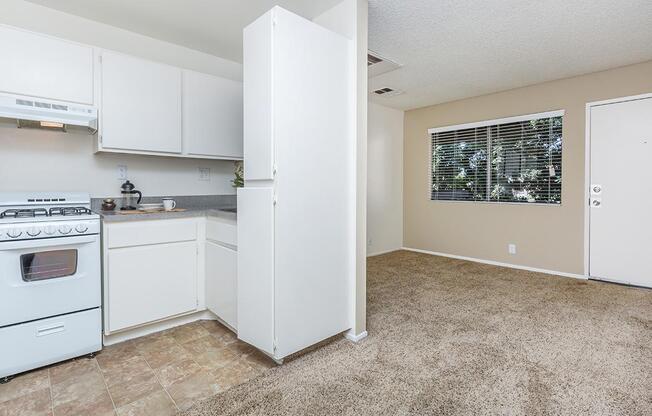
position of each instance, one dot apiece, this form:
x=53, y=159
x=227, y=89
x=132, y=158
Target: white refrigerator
x=296, y=229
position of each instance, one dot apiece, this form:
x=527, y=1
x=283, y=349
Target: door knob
x=596, y=202
x=597, y=189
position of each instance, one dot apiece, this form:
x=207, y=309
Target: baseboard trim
x=378, y=253
x=356, y=338
x=141, y=331
x=500, y=264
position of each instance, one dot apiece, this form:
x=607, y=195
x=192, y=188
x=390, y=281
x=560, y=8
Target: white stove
x=50, y=280
x=25, y=216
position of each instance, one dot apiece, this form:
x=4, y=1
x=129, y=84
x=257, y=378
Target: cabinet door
x=221, y=282
x=141, y=105
x=43, y=66
x=149, y=283
x=212, y=115
x=312, y=239
x=258, y=99
x=256, y=267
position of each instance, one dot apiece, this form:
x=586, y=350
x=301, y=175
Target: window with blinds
x=517, y=159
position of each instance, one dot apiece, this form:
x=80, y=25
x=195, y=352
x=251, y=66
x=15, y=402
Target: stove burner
x=69, y=211
x=42, y=212
x=24, y=213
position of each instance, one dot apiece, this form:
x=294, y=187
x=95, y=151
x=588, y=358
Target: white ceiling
x=449, y=49
x=211, y=26
x=453, y=49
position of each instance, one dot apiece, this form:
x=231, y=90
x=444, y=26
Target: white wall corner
x=351, y=336
x=349, y=18
x=384, y=179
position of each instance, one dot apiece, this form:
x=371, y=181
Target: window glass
x=48, y=264
x=524, y=160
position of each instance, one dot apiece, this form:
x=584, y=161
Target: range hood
x=47, y=113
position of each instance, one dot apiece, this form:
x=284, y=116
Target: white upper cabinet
x=140, y=105
x=46, y=67
x=212, y=116
x=145, y=107
x=258, y=71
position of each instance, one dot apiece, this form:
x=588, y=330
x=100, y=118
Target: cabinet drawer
x=150, y=232
x=222, y=231
x=46, y=341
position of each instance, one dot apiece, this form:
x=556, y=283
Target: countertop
x=115, y=216
x=194, y=205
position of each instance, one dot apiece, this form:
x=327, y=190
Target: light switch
x=122, y=172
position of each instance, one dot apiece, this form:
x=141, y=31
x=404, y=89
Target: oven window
x=48, y=265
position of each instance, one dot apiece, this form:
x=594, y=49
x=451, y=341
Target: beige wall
x=547, y=237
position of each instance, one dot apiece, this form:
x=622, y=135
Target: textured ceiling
x=212, y=26
x=453, y=49
x=449, y=49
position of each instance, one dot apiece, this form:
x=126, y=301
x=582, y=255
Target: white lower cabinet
x=150, y=283
x=221, y=282
x=154, y=270
x=149, y=279
x=222, y=269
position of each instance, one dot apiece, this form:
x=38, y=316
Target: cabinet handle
x=49, y=330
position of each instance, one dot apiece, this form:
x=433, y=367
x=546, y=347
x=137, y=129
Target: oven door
x=48, y=277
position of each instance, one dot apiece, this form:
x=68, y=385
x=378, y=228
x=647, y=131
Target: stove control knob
x=65, y=229
x=81, y=228
x=33, y=232
x=50, y=229
x=15, y=233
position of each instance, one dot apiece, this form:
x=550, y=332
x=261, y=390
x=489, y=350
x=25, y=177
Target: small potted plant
x=238, y=171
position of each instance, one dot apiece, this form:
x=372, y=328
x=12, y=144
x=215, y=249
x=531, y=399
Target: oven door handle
x=48, y=242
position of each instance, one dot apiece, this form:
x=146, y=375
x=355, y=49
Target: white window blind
x=517, y=159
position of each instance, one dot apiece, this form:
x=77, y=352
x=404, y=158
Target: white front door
x=621, y=192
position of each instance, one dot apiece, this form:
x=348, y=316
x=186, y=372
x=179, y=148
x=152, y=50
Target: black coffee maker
x=129, y=194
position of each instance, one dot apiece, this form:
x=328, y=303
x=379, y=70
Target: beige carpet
x=449, y=337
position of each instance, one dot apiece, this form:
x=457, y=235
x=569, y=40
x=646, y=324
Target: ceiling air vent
x=388, y=92
x=383, y=91
x=372, y=59
x=378, y=64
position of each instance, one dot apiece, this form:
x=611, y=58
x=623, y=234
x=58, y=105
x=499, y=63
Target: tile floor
x=154, y=375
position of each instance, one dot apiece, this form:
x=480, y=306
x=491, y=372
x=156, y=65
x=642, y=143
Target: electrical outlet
x=369, y=242
x=511, y=248
x=122, y=172
x=204, y=174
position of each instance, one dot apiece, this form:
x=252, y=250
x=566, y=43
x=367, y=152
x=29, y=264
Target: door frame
x=587, y=172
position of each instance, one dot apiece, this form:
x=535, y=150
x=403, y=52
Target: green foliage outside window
x=512, y=162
